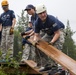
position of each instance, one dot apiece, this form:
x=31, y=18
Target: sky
x=63, y=9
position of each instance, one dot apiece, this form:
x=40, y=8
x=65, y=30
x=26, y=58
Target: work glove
x=23, y=46
x=50, y=43
x=35, y=43
x=23, y=33
x=27, y=37
x=11, y=31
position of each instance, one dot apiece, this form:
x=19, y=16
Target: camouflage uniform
x=28, y=52
x=59, y=43
x=7, y=39
x=7, y=42
x=0, y=30
x=0, y=38
x=41, y=58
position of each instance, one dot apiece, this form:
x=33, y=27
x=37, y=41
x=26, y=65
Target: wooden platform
x=22, y=68
x=29, y=67
x=33, y=65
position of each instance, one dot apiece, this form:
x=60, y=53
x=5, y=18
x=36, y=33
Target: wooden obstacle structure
x=58, y=56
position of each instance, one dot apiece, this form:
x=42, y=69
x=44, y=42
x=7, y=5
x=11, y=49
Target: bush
x=2, y=73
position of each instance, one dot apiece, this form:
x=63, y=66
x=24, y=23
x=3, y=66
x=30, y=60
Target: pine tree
x=22, y=22
x=69, y=46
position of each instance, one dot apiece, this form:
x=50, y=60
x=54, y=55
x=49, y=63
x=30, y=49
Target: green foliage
x=2, y=73
x=22, y=22
x=69, y=46
x=11, y=64
x=17, y=43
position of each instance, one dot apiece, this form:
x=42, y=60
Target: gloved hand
x=36, y=43
x=50, y=43
x=11, y=31
x=23, y=33
x=27, y=37
x=23, y=46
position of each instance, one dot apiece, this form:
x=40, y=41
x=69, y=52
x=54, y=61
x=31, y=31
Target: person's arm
x=0, y=27
x=13, y=22
x=32, y=33
x=37, y=37
x=37, y=32
x=13, y=17
x=56, y=36
x=56, y=30
x=28, y=32
x=0, y=24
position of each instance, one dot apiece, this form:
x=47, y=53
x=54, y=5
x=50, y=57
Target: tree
x=69, y=46
x=20, y=27
x=22, y=22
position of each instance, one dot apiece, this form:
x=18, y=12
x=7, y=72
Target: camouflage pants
x=0, y=37
x=7, y=43
x=28, y=52
x=59, y=43
x=43, y=59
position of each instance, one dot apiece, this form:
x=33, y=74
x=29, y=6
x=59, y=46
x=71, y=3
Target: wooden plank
x=56, y=55
x=33, y=65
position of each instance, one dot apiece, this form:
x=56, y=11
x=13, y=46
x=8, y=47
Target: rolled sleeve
x=55, y=27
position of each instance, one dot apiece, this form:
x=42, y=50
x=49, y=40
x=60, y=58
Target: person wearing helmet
x=53, y=29
x=8, y=23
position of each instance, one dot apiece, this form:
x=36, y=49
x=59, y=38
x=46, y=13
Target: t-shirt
x=24, y=41
x=33, y=20
x=7, y=18
x=51, y=25
x=28, y=28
